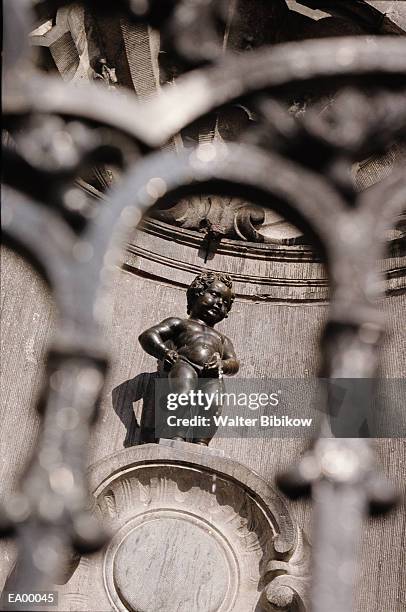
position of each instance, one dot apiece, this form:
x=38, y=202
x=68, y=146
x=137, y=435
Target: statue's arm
x=230, y=364
x=153, y=339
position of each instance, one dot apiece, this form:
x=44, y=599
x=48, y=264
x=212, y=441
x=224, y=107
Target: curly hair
x=202, y=282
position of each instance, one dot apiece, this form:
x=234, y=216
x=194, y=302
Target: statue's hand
x=171, y=357
x=213, y=365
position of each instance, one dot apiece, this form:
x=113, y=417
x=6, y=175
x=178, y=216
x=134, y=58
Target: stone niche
x=191, y=531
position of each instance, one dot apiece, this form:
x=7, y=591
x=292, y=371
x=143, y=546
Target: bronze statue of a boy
x=191, y=349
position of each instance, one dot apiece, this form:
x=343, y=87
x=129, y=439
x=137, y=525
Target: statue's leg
x=212, y=387
x=182, y=379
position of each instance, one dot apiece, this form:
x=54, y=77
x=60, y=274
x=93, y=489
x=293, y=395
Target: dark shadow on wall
x=141, y=387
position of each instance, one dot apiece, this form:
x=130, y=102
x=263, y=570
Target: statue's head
x=210, y=297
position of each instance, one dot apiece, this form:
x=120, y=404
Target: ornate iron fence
x=302, y=165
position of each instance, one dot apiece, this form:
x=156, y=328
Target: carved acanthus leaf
x=288, y=590
x=229, y=218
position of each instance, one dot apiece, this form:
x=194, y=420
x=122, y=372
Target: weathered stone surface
x=284, y=344
x=27, y=323
x=189, y=567
x=394, y=9
x=201, y=531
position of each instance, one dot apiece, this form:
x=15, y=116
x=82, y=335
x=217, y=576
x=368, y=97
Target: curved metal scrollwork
x=300, y=165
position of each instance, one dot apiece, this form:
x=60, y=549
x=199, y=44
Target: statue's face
x=213, y=305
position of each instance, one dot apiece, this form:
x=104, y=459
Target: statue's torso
x=198, y=342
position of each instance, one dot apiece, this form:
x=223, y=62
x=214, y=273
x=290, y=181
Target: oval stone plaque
x=184, y=563
x=191, y=532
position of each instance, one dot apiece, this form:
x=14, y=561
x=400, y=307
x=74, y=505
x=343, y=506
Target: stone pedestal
x=191, y=531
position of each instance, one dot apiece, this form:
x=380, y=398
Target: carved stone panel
x=190, y=531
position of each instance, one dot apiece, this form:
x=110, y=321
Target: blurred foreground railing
x=302, y=166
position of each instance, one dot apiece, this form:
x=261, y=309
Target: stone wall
x=273, y=338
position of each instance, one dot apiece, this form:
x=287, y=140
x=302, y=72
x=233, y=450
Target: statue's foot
x=201, y=441
x=179, y=438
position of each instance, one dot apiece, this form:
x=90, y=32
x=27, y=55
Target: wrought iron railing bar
x=231, y=79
